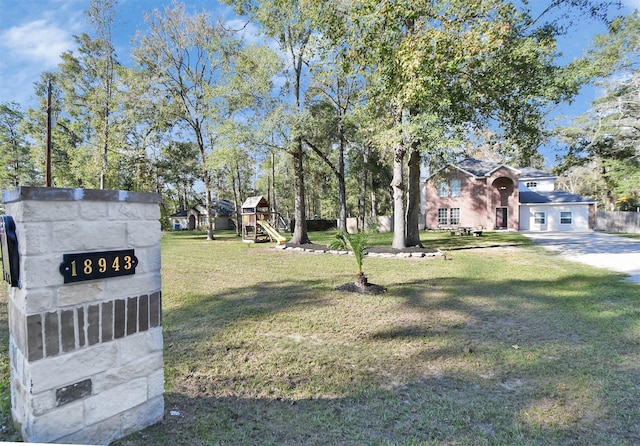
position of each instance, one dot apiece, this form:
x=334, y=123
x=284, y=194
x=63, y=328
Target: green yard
x=495, y=345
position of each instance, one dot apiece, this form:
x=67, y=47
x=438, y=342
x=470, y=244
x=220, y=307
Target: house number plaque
x=98, y=265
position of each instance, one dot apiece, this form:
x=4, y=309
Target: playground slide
x=275, y=235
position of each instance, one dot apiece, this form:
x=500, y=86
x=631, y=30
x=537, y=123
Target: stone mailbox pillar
x=85, y=318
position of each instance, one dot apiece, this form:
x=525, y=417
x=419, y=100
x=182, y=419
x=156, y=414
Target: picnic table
x=457, y=230
x=462, y=230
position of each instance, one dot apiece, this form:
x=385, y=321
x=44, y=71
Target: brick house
x=482, y=194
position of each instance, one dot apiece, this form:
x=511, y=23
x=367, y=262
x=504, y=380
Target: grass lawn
x=634, y=236
x=496, y=345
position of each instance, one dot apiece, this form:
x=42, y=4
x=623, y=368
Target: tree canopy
x=339, y=108
x=461, y=66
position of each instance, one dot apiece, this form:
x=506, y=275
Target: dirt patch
x=409, y=249
x=369, y=288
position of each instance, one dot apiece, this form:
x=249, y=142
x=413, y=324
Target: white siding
x=579, y=217
x=541, y=185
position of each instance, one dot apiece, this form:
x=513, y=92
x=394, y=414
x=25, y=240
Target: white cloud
x=632, y=4
x=247, y=30
x=38, y=42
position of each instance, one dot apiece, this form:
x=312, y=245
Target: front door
x=501, y=218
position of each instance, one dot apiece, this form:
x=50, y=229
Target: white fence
x=627, y=222
x=380, y=224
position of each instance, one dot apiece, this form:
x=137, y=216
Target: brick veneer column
x=86, y=357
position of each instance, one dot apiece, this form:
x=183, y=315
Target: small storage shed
x=254, y=209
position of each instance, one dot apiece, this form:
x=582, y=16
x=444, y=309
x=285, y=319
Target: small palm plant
x=356, y=243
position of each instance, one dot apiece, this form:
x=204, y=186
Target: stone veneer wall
x=86, y=357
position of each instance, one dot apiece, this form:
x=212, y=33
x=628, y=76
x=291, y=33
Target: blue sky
x=33, y=34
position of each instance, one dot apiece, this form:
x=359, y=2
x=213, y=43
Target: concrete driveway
x=613, y=252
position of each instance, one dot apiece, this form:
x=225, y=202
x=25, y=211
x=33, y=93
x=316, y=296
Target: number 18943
x=97, y=265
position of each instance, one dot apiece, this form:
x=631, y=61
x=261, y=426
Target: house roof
x=554, y=197
x=479, y=168
x=179, y=214
x=252, y=202
x=223, y=208
x=529, y=173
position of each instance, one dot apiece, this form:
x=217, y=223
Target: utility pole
x=48, y=150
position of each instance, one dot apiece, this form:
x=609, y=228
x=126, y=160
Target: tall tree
x=73, y=160
x=146, y=135
x=183, y=58
x=334, y=93
x=15, y=158
x=179, y=170
x=368, y=161
x=88, y=79
x=241, y=140
x=202, y=76
x=288, y=23
x=607, y=137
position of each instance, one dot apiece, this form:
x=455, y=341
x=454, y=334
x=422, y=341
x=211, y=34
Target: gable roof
x=554, y=197
x=529, y=173
x=479, y=168
x=252, y=202
x=223, y=208
x=179, y=214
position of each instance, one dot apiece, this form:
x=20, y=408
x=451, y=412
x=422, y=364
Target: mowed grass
x=506, y=344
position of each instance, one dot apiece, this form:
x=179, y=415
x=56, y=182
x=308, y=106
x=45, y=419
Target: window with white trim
x=566, y=218
x=443, y=215
x=454, y=216
x=539, y=218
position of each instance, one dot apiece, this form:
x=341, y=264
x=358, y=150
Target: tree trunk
x=105, y=150
x=362, y=199
x=342, y=188
x=361, y=280
x=374, y=205
x=397, y=185
x=240, y=191
x=210, y=216
x=273, y=185
x=370, y=182
x=236, y=200
x=609, y=201
x=342, y=198
x=414, y=200
x=300, y=235
x=207, y=182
